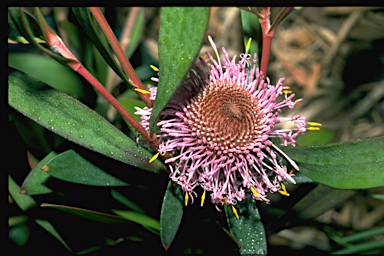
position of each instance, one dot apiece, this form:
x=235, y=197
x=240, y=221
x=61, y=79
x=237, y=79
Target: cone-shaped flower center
x=224, y=116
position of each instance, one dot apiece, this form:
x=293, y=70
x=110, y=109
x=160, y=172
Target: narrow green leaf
x=171, y=214
x=34, y=183
x=319, y=200
x=48, y=71
x=248, y=229
x=351, y=165
x=182, y=31
x=361, y=248
x=99, y=40
x=136, y=33
x=122, y=199
x=139, y=218
x=25, y=202
x=74, y=121
x=88, y=214
x=51, y=229
x=70, y=166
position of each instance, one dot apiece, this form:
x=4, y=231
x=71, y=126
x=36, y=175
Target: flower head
x=219, y=127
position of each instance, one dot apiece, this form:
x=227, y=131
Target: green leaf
x=25, y=202
x=248, y=229
x=34, y=183
x=88, y=214
x=48, y=71
x=98, y=39
x=171, y=214
x=70, y=166
x=136, y=33
x=19, y=234
x=139, y=218
x=48, y=227
x=122, y=199
x=251, y=27
x=351, y=165
x=314, y=138
x=74, y=121
x=182, y=31
x=319, y=200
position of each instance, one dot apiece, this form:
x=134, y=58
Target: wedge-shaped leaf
x=171, y=214
x=139, y=218
x=351, y=165
x=248, y=229
x=182, y=31
x=51, y=229
x=34, y=183
x=88, y=214
x=70, y=166
x=74, y=121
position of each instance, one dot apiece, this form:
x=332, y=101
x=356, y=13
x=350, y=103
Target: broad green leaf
x=122, y=199
x=248, y=229
x=98, y=39
x=34, y=183
x=182, y=31
x=300, y=178
x=88, y=214
x=25, y=202
x=48, y=71
x=350, y=165
x=74, y=121
x=314, y=138
x=19, y=234
x=129, y=102
x=139, y=218
x=33, y=134
x=171, y=214
x=51, y=229
x=70, y=166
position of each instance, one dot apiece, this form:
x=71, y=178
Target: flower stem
x=134, y=79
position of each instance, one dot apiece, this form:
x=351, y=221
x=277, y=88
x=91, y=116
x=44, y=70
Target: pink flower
x=219, y=128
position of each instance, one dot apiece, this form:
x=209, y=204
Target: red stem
x=55, y=42
x=265, y=13
x=134, y=79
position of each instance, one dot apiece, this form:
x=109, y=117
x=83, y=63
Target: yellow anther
x=235, y=212
x=255, y=192
x=287, y=91
x=203, y=198
x=284, y=190
x=186, y=198
x=142, y=91
x=314, y=123
x=313, y=128
x=248, y=45
x=154, y=157
x=154, y=68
